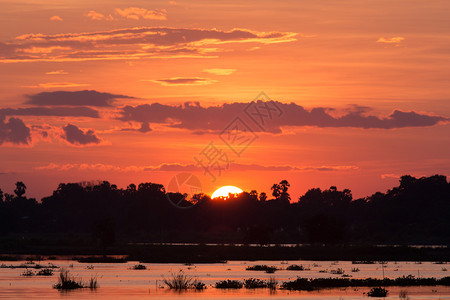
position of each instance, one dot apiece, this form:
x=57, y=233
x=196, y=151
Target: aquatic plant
x=229, y=284
x=67, y=281
x=93, y=283
x=139, y=267
x=295, y=268
x=182, y=281
x=45, y=272
x=403, y=294
x=254, y=283
x=272, y=283
x=378, y=292
x=27, y=273
x=266, y=268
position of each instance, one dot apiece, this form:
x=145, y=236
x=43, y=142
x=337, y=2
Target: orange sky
x=368, y=82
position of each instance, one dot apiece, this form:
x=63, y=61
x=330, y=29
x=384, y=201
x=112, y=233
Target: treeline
x=415, y=212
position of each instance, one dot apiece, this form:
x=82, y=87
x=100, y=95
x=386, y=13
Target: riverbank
x=207, y=253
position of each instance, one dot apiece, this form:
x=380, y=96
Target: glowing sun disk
x=225, y=190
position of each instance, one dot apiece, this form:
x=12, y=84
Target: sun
x=223, y=192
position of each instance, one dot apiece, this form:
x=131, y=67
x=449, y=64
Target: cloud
x=96, y=16
x=392, y=40
x=51, y=112
x=183, y=81
x=51, y=85
x=76, y=98
x=220, y=71
x=56, y=18
x=14, y=131
x=132, y=43
x=57, y=72
x=176, y=167
x=249, y=167
x=136, y=13
x=78, y=137
x=269, y=116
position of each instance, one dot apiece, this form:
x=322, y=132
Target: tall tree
x=20, y=189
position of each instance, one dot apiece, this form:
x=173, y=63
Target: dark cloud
x=51, y=112
x=139, y=42
x=76, y=136
x=14, y=131
x=272, y=115
x=78, y=98
x=183, y=81
x=249, y=167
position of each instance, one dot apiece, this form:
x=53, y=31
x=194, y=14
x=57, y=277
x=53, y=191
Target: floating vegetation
x=354, y=270
x=29, y=266
x=363, y=262
x=319, y=283
x=338, y=271
x=28, y=273
x=265, y=268
x=295, y=268
x=254, y=283
x=378, y=292
x=45, y=272
x=229, y=284
x=139, y=267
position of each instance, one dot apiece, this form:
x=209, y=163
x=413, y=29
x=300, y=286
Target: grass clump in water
x=378, y=292
x=229, y=284
x=254, y=283
x=295, y=268
x=45, y=272
x=181, y=281
x=139, y=267
x=266, y=268
x=67, y=281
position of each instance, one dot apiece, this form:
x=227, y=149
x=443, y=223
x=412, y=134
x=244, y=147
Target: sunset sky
x=139, y=91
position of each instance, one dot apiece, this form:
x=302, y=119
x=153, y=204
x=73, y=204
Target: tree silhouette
x=1, y=196
x=20, y=189
x=280, y=191
x=262, y=197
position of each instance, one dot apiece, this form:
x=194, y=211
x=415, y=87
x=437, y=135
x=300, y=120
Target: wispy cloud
x=220, y=71
x=392, y=40
x=57, y=72
x=96, y=16
x=56, y=18
x=76, y=98
x=176, y=167
x=183, y=81
x=131, y=43
x=51, y=112
x=136, y=13
x=192, y=116
x=52, y=85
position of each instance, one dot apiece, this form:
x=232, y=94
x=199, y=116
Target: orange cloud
x=183, y=81
x=96, y=16
x=392, y=40
x=139, y=42
x=57, y=72
x=220, y=71
x=50, y=85
x=136, y=13
x=56, y=18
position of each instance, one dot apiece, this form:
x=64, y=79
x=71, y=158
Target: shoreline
x=204, y=253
